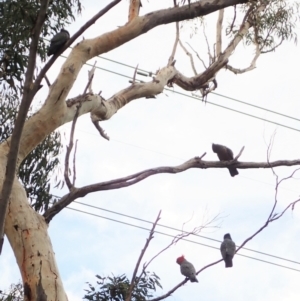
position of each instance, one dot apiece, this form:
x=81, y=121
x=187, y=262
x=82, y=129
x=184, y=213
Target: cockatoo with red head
x=187, y=269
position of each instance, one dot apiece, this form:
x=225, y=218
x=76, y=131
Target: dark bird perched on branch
x=225, y=154
x=58, y=41
x=227, y=250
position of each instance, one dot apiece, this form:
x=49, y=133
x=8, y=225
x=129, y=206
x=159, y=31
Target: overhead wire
x=221, y=106
x=184, y=239
x=178, y=230
x=148, y=73
x=168, y=227
x=209, y=102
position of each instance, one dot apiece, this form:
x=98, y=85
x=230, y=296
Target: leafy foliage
x=17, y=20
x=15, y=293
x=273, y=21
x=35, y=170
x=116, y=288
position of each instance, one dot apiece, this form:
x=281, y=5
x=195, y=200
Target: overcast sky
x=167, y=131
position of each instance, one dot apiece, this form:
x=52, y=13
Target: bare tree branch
x=47, y=81
x=172, y=56
x=90, y=79
x=198, y=56
x=134, y=74
x=190, y=56
x=210, y=56
x=134, y=9
x=74, y=164
x=219, y=33
x=239, y=154
x=233, y=21
x=100, y=130
x=272, y=217
x=69, y=149
x=137, y=177
x=133, y=279
x=252, y=64
x=179, y=237
x=175, y=288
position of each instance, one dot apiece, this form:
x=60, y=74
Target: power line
x=240, y=112
x=255, y=106
x=188, y=240
x=212, y=103
x=175, y=229
x=178, y=230
x=148, y=73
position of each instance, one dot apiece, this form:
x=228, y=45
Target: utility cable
x=188, y=240
x=175, y=229
x=212, y=103
x=178, y=230
x=148, y=73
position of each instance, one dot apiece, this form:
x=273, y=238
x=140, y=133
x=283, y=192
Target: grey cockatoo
x=58, y=41
x=227, y=250
x=225, y=154
x=187, y=269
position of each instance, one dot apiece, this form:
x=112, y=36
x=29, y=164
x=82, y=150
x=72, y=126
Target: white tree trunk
x=25, y=229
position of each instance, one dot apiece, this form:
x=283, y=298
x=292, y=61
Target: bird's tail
x=194, y=279
x=233, y=171
x=228, y=262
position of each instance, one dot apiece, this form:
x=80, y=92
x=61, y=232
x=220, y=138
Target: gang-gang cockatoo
x=187, y=269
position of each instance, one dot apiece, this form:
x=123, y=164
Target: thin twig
x=134, y=74
x=179, y=237
x=190, y=56
x=133, y=280
x=211, y=58
x=199, y=158
x=47, y=80
x=272, y=217
x=233, y=21
x=239, y=154
x=172, y=56
x=69, y=149
x=100, y=130
x=74, y=163
x=90, y=79
x=88, y=84
x=198, y=56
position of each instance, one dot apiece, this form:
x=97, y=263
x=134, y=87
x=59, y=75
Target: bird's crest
x=180, y=259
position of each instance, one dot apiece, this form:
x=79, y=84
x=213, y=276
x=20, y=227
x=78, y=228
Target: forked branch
x=133, y=279
x=69, y=149
x=172, y=56
x=272, y=217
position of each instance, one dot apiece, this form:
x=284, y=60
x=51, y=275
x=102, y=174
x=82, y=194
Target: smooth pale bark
x=25, y=229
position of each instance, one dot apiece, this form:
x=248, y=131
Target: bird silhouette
x=225, y=154
x=58, y=41
x=227, y=250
